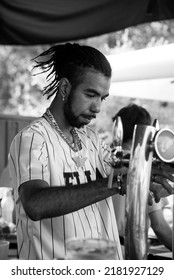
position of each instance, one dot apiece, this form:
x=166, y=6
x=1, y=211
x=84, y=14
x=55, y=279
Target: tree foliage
x=19, y=94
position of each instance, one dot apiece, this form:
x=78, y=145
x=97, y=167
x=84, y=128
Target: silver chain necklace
x=77, y=142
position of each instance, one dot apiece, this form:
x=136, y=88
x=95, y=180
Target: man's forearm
x=56, y=201
x=161, y=228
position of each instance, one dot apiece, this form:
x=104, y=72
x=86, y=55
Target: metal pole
x=138, y=180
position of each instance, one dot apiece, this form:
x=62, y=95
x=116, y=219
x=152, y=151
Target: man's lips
x=89, y=117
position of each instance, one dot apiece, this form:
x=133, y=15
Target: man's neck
x=58, y=115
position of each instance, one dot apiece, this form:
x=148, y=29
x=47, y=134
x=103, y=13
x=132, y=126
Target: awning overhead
x=29, y=22
x=150, y=63
x=146, y=73
x=154, y=89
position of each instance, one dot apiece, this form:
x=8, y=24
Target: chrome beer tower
x=150, y=145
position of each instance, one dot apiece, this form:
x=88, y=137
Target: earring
x=63, y=97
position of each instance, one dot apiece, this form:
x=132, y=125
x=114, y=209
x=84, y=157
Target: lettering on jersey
x=88, y=175
x=68, y=176
x=98, y=174
x=71, y=176
x=76, y=175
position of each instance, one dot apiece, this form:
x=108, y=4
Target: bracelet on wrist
x=120, y=184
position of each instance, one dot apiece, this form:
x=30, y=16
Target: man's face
x=84, y=102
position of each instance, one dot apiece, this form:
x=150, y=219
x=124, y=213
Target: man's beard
x=69, y=114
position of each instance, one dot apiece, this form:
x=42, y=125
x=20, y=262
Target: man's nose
x=95, y=106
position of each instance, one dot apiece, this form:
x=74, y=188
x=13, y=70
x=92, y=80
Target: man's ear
x=64, y=87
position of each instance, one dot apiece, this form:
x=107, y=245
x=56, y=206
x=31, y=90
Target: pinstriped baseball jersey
x=39, y=152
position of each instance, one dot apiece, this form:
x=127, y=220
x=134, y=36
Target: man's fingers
x=150, y=198
x=164, y=183
x=160, y=191
x=163, y=173
x=157, y=199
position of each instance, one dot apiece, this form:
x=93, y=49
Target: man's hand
x=161, y=183
x=158, y=192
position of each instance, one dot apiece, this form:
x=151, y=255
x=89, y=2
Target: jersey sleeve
x=28, y=158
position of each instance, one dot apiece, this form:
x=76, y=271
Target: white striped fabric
x=38, y=152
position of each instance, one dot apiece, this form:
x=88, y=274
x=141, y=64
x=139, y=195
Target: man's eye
x=90, y=95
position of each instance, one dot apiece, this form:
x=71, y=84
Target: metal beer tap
x=150, y=146
x=116, y=148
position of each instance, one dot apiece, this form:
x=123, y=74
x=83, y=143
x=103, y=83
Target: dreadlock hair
x=130, y=116
x=70, y=60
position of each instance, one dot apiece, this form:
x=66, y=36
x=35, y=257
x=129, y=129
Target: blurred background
x=21, y=91
x=142, y=58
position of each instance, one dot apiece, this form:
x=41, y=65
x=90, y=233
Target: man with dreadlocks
x=57, y=164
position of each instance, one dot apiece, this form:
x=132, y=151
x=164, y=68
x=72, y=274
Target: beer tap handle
x=116, y=147
x=156, y=124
